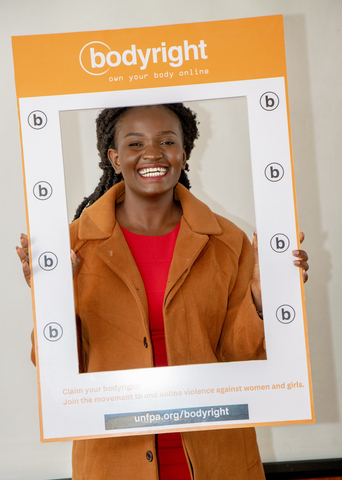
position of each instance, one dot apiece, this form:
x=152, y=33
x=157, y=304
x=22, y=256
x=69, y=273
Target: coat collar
x=98, y=221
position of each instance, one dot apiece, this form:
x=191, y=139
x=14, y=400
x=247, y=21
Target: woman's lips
x=152, y=171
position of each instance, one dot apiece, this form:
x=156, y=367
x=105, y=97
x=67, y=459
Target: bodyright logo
x=93, y=58
x=96, y=58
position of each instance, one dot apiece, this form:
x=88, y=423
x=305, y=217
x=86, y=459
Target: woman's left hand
x=302, y=259
x=300, y=262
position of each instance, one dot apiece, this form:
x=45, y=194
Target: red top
x=153, y=257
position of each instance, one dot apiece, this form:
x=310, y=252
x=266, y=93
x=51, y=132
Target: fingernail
x=296, y=262
x=295, y=252
x=74, y=255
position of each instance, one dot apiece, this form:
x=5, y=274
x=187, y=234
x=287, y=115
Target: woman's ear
x=113, y=157
x=184, y=159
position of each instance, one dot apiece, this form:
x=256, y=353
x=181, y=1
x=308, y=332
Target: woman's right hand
x=23, y=254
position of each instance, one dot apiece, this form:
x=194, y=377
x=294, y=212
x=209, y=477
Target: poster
x=61, y=73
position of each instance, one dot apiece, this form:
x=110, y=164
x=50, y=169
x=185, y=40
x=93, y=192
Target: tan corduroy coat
x=209, y=317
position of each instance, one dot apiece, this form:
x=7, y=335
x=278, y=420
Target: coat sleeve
x=242, y=335
x=82, y=341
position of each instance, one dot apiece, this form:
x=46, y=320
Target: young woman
x=161, y=280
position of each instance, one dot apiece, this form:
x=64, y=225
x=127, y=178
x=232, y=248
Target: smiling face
x=149, y=150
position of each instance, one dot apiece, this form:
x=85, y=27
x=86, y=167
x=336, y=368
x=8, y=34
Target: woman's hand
x=302, y=259
x=23, y=254
x=300, y=262
x=74, y=262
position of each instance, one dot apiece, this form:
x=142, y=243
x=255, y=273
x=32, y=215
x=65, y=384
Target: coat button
x=149, y=455
x=145, y=342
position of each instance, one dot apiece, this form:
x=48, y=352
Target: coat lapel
x=188, y=246
x=198, y=222
x=98, y=222
x=115, y=253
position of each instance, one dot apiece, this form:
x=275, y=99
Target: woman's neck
x=156, y=216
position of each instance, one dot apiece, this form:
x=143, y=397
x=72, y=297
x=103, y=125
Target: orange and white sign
x=153, y=65
x=151, y=57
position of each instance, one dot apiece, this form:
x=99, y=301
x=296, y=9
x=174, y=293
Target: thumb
x=74, y=262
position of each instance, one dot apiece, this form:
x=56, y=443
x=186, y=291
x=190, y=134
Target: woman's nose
x=152, y=152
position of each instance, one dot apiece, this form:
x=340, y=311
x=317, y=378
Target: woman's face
x=149, y=150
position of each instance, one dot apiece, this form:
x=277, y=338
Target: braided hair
x=105, y=130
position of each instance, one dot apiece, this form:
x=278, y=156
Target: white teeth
x=152, y=172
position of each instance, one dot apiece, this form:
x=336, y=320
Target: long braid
x=105, y=131
x=107, y=180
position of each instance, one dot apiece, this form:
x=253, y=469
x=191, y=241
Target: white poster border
x=144, y=392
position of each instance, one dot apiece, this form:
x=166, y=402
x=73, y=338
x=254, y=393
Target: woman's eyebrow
x=138, y=134
x=165, y=132
x=134, y=134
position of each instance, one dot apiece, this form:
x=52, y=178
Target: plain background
x=313, y=37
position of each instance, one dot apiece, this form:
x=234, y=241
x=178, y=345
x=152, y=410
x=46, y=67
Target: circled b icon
x=48, y=261
x=280, y=243
x=274, y=172
x=269, y=101
x=42, y=190
x=53, y=332
x=37, y=119
x=285, y=314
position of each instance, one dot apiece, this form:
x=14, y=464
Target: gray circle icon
x=279, y=243
x=42, y=190
x=269, y=101
x=53, y=332
x=37, y=119
x=48, y=261
x=285, y=314
x=274, y=172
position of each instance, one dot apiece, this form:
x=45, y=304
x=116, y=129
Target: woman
x=155, y=272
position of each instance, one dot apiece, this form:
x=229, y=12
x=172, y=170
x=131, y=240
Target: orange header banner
x=148, y=57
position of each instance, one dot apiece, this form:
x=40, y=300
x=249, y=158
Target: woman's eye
x=168, y=142
x=134, y=144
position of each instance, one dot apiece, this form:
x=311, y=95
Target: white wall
x=313, y=31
